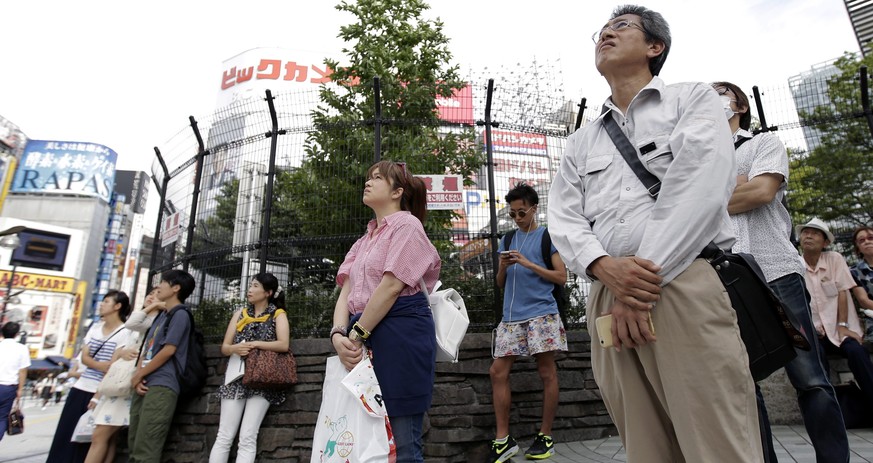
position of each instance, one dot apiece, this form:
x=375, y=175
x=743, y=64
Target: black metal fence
x=258, y=186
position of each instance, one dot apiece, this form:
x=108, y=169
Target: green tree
x=391, y=40
x=318, y=211
x=833, y=181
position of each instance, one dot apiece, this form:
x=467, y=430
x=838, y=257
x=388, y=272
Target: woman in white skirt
x=111, y=413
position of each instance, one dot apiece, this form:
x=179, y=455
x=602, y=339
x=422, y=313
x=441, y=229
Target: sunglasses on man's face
x=520, y=213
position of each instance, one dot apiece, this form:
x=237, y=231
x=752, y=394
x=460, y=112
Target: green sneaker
x=542, y=448
x=501, y=453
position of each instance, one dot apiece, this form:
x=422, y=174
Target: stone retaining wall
x=460, y=424
x=458, y=427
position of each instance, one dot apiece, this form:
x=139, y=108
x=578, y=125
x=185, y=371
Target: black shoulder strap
x=107, y=340
x=629, y=153
x=546, y=245
x=190, y=333
x=508, y=238
x=740, y=142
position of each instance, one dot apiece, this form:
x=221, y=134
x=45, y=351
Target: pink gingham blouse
x=399, y=246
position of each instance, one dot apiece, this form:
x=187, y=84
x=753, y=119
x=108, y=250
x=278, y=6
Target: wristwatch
x=843, y=324
x=354, y=336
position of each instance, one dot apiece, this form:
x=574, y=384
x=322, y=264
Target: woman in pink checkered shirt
x=389, y=312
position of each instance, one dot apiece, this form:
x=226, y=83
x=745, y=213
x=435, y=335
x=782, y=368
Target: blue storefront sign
x=63, y=167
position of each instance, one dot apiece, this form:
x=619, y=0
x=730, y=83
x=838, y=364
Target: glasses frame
x=619, y=25
x=520, y=213
x=863, y=239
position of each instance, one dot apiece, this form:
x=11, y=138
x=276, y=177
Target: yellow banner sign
x=78, y=305
x=35, y=281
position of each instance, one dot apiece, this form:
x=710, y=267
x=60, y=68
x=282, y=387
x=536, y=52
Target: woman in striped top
x=98, y=346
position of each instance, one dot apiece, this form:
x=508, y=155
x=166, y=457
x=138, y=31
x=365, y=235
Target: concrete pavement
x=791, y=442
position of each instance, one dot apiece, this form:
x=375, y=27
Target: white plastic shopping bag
x=352, y=422
x=84, y=428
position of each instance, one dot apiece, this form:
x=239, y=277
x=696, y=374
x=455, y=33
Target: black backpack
x=561, y=296
x=192, y=380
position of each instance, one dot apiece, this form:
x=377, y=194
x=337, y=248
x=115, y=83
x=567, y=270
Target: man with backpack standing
x=158, y=379
x=531, y=324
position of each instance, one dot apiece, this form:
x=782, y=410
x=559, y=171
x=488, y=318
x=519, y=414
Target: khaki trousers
x=689, y=397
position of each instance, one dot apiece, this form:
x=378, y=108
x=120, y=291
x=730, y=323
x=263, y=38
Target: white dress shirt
x=598, y=206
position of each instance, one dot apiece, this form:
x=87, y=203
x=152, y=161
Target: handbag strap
x=107, y=340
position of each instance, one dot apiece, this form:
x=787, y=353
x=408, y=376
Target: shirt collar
x=656, y=85
x=742, y=133
x=389, y=220
x=820, y=265
x=863, y=266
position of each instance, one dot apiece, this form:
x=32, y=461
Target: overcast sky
x=127, y=75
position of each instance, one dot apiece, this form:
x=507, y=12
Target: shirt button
x=622, y=220
x=627, y=189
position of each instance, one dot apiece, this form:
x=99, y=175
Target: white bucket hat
x=817, y=224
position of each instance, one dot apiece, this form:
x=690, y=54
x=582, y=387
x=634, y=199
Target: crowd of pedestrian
x=673, y=369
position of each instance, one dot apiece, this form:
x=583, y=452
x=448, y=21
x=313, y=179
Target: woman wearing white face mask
x=762, y=226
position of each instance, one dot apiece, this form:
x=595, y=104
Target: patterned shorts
x=530, y=337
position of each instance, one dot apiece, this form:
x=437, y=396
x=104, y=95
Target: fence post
x=195, y=198
x=273, y=135
x=162, y=189
x=760, y=105
x=492, y=200
x=865, y=99
x=377, y=101
x=582, y=108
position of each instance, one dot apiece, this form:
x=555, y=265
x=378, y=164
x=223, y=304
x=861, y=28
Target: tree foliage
x=317, y=208
x=833, y=180
x=393, y=41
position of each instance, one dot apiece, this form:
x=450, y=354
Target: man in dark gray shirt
x=156, y=381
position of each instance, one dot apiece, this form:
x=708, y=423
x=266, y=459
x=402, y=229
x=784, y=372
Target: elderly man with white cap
x=829, y=281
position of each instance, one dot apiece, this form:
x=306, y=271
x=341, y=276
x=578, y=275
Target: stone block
x=451, y=394
x=781, y=400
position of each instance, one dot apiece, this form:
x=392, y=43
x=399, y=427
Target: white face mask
x=726, y=103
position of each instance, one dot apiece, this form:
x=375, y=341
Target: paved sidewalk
x=791, y=443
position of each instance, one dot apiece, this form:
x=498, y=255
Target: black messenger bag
x=769, y=332
x=764, y=323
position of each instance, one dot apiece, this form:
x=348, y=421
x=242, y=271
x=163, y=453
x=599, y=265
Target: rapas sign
x=63, y=167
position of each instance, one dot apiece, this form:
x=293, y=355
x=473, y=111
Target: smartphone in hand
x=603, y=325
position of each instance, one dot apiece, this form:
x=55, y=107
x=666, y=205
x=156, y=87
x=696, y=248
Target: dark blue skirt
x=403, y=346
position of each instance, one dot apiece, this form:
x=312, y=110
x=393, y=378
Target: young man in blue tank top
x=530, y=325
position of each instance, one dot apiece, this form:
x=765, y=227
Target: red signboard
x=458, y=107
x=518, y=142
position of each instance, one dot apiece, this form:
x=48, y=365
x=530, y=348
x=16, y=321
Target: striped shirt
x=399, y=246
x=100, y=347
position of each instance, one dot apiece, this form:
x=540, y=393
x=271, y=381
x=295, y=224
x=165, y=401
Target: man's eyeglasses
x=859, y=240
x=616, y=26
x=520, y=213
